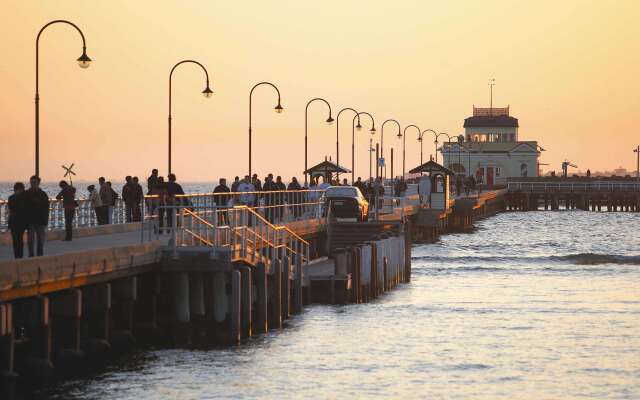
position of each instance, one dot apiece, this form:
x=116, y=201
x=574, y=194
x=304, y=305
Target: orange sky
x=567, y=68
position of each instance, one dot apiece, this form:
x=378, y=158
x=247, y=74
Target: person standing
x=38, y=216
x=235, y=184
x=68, y=196
x=281, y=188
x=112, y=205
x=160, y=192
x=174, y=189
x=222, y=200
x=269, y=198
x=137, y=196
x=105, y=202
x=293, y=197
x=152, y=180
x=18, y=218
x=96, y=202
x=127, y=197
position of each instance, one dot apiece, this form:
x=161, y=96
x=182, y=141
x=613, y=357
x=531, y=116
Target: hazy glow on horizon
x=567, y=69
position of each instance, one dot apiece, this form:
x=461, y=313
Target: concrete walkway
x=57, y=247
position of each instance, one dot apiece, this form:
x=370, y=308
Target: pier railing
x=579, y=187
x=276, y=206
x=241, y=230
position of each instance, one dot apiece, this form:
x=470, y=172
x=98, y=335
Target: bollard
x=261, y=301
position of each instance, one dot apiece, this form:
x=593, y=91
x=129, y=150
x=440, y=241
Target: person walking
x=105, y=201
x=68, y=196
x=95, y=201
x=18, y=218
x=137, y=196
x=221, y=198
x=37, y=203
x=127, y=197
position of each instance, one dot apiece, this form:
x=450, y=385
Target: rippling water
x=541, y=305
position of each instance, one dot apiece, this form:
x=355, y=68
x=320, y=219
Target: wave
x=577, y=259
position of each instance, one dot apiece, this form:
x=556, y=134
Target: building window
x=498, y=171
x=524, y=170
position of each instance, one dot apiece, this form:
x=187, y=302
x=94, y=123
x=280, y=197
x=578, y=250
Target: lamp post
x=206, y=92
x=420, y=139
x=338, y=131
x=637, y=151
x=404, y=146
x=353, y=139
x=83, y=61
x=382, y=139
x=436, y=142
x=329, y=121
x=278, y=109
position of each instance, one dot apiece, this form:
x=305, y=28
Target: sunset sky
x=568, y=69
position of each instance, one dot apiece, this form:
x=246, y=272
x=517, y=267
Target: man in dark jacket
x=68, y=196
x=37, y=215
x=18, y=218
x=152, y=180
x=222, y=200
x=235, y=184
x=127, y=197
x=137, y=195
x=106, y=198
x=269, y=198
x=295, y=199
x=280, y=187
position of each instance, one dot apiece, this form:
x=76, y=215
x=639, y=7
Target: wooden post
x=247, y=300
x=286, y=287
x=236, y=307
x=275, y=311
x=260, y=276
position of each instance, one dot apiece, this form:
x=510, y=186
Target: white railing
x=276, y=206
x=596, y=186
x=245, y=233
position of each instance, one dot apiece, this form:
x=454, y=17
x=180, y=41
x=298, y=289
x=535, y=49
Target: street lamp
x=420, y=139
x=329, y=121
x=83, y=61
x=436, y=142
x=338, y=132
x=207, y=92
x=404, y=146
x=637, y=151
x=382, y=139
x=278, y=108
x=353, y=139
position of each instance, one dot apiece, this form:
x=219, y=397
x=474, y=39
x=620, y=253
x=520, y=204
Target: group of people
x=29, y=211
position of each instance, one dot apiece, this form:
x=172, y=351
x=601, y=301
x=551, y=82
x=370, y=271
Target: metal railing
x=241, y=230
x=595, y=186
x=276, y=206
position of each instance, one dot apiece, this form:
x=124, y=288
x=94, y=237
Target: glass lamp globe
x=330, y=121
x=373, y=131
x=279, y=109
x=84, y=61
x=207, y=93
x=358, y=127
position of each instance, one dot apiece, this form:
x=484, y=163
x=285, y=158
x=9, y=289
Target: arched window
x=524, y=170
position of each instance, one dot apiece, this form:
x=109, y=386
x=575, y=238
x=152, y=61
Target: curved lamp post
x=278, y=109
x=206, y=92
x=353, y=139
x=329, y=121
x=420, y=139
x=338, y=131
x=404, y=145
x=436, y=142
x=382, y=138
x=83, y=61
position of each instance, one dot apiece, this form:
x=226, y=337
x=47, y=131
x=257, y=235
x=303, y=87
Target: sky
x=568, y=70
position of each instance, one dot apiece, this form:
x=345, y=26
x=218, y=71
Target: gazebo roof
x=433, y=167
x=327, y=167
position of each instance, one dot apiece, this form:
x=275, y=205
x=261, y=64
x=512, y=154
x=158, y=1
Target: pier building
x=491, y=149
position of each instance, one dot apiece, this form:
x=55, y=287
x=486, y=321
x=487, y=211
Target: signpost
x=69, y=172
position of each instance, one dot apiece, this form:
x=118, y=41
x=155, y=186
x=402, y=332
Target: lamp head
x=419, y=138
x=207, y=92
x=358, y=127
x=399, y=135
x=279, y=109
x=330, y=120
x=84, y=61
x=373, y=130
